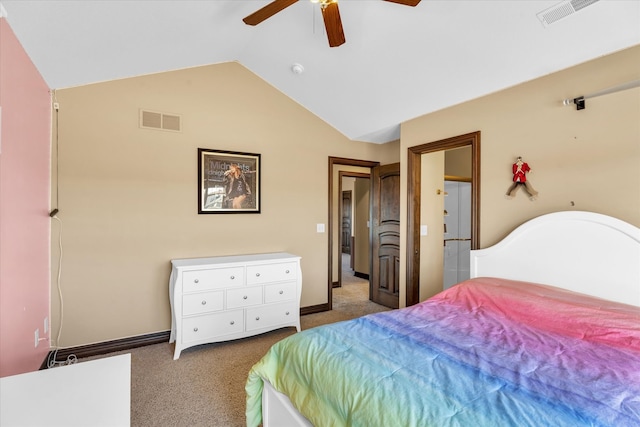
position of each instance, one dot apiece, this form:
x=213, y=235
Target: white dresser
x=225, y=298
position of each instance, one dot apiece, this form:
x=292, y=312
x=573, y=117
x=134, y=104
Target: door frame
x=333, y=161
x=413, y=203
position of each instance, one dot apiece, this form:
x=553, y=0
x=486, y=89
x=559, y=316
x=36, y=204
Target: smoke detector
x=297, y=69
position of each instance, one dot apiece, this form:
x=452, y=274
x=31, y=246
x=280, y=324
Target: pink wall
x=25, y=130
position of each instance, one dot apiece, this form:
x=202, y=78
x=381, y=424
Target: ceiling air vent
x=161, y=121
x=562, y=10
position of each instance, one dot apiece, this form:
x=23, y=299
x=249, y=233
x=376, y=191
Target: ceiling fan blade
x=333, y=24
x=406, y=2
x=268, y=11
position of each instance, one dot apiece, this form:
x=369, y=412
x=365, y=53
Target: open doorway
x=339, y=169
x=429, y=190
x=457, y=228
x=352, y=286
x=445, y=219
x=354, y=212
x=352, y=293
x=354, y=231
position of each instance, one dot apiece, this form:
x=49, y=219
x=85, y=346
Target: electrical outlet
x=36, y=335
x=46, y=325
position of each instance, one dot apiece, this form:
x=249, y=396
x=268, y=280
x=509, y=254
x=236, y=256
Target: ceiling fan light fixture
x=330, y=15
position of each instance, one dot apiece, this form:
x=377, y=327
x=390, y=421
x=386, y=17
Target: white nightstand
x=93, y=393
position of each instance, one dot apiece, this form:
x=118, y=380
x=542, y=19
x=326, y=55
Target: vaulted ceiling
x=398, y=62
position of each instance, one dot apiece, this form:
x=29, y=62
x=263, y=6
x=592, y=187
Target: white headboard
x=583, y=252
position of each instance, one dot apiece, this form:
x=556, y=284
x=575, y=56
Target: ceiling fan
x=330, y=14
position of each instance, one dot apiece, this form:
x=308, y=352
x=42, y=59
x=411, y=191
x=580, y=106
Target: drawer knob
x=245, y=297
x=287, y=271
x=195, y=329
x=281, y=292
x=257, y=317
x=257, y=274
x=204, y=302
x=287, y=313
x=233, y=277
x=233, y=322
x=196, y=281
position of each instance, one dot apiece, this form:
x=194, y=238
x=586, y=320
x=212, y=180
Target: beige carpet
x=205, y=386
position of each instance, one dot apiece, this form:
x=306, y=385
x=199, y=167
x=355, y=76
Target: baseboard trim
x=361, y=275
x=105, y=347
x=314, y=309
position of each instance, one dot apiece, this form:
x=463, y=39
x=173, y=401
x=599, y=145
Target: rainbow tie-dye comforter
x=487, y=352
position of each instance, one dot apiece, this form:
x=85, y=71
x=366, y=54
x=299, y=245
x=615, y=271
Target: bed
x=546, y=332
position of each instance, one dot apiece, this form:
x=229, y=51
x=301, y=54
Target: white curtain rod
x=579, y=101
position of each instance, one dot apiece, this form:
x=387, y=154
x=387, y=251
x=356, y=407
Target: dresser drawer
x=203, y=302
x=214, y=278
x=212, y=325
x=271, y=315
x=244, y=297
x=267, y=273
x=280, y=292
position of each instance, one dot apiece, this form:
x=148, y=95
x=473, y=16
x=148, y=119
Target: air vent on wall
x=162, y=121
x=562, y=10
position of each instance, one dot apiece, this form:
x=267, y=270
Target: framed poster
x=228, y=182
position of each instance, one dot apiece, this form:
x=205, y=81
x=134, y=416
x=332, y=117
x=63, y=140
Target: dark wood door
x=345, y=226
x=385, y=235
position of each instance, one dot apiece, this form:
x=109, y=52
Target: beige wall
x=581, y=160
x=458, y=162
x=128, y=196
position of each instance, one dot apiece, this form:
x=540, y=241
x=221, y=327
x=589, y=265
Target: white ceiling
x=398, y=62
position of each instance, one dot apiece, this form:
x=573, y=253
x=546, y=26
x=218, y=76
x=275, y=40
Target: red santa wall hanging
x=520, y=170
